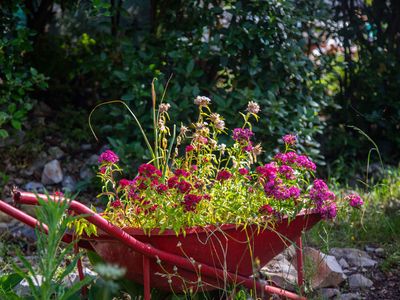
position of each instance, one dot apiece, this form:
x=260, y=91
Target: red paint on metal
x=198, y=253
x=146, y=277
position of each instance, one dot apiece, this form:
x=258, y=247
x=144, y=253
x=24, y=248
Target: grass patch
x=377, y=223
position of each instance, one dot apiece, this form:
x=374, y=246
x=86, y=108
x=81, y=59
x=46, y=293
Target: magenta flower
x=183, y=186
x=108, y=156
x=268, y=171
x=223, y=175
x=190, y=202
x=329, y=210
x=243, y=171
x=287, y=171
x=266, y=209
x=289, y=139
x=189, y=148
x=148, y=170
x=161, y=188
x=181, y=172
x=116, y=203
x=354, y=200
x=124, y=182
x=242, y=134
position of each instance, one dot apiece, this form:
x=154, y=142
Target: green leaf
x=3, y=133
x=9, y=281
x=16, y=124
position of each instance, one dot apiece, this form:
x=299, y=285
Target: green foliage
x=17, y=78
x=360, y=227
x=368, y=96
x=51, y=255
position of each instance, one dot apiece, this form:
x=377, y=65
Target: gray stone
x=369, y=249
x=52, y=173
x=380, y=252
x=33, y=186
x=37, y=165
x=343, y=263
x=329, y=293
x=86, y=173
x=282, y=273
x=358, y=281
x=22, y=289
x=69, y=184
x=92, y=160
x=86, y=147
x=55, y=152
x=327, y=271
x=350, y=296
x=354, y=257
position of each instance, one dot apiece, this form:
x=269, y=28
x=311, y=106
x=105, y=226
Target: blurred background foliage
x=72, y=55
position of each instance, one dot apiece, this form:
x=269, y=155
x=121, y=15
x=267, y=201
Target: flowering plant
x=194, y=180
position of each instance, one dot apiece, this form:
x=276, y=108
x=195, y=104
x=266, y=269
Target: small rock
x=33, y=186
x=23, y=289
x=4, y=218
x=369, y=249
x=52, y=173
x=380, y=252
x=327, y=271
x=329, y=293
x=86, y=147
x=37, y=165
x=86, y=173
x=354, y=257
x=55, y=152
x=343, y=263
x=350, y=296
x=92, y=160
x=282, y=273
x=69, y=184
x=358, y=281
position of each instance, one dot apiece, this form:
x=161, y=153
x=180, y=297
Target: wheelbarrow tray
x=237, y=249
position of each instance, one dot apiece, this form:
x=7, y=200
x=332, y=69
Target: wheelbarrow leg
x=146, y=277
x=300, y=267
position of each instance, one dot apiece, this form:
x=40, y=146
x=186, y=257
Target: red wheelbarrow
x=205, y=258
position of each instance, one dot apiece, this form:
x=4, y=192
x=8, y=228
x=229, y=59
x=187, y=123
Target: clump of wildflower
x=354, y=200
x=116, y=203
x=148, y=170
x=164, y=107
x=190, y=202
x=223, y=175
x=243, y=171
x=108, y=156
x=242, y=134
x=328, y=211
x=289, y=139
x=253, y=107
x=189, y=148
x=202, y=101
x=124, y=182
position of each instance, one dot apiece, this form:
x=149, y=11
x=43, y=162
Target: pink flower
x=268, y=171
x=243, y=171
x=354, y=200
x=184, y=186
x=189, y=148
x=294, y=192
x=181, y=172
x=124, y=182
x=289, y=139
x=103, y=170
x=161, y=188
x=328, y=211
x=242, y=134
x=305, y=162
x=223, y=175
x=108, y=156
x=266, y=209
x=148, y=170
x=194, y=168
x=116, y=203
x=287, y=171
x=172, y=182
x=190, y=202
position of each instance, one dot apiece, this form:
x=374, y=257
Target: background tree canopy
x=72, y=54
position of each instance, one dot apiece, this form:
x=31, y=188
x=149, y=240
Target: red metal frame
x=148, y=251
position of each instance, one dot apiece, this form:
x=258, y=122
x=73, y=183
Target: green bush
x=232, y=52
x=17, y=78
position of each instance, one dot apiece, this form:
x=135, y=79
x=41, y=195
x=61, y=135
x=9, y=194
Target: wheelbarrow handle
x=34, y=223
x=149, y=251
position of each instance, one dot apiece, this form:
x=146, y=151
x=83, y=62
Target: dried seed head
x=202, y=101
x=253, y=107
x=257, y=149
x=164, y=107
x=183, y=130
x=220, y=125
